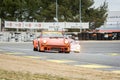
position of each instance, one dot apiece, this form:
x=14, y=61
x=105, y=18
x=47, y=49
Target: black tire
x=67, y=52
x=34, y=49
x=60, y=51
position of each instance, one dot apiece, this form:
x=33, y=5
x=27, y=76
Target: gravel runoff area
x=22, y=64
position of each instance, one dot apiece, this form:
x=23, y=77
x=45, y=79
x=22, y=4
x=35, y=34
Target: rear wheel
x=34, y=49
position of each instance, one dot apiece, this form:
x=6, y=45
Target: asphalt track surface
x=100, y=55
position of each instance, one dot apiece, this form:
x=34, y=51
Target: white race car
x=75, y=45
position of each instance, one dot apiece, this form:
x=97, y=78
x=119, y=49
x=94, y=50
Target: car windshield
x=52, y=34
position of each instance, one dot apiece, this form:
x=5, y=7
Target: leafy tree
x=96, y=17
x=20, y=9
x=68, y=10
x=45, y=10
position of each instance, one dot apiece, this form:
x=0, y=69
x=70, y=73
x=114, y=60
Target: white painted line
x=61, y=61
x=14, y=53
x=114, y=54
x=94, y=66
x=35, y=57
x=116, y=71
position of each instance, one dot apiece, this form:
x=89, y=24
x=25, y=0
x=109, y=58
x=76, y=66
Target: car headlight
x=78, y=47
x=66, y=41
x=44, y=41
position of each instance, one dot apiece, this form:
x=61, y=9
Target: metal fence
x=17, y=36
x=29, y=36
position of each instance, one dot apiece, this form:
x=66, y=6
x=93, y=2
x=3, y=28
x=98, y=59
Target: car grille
x=56, y=45
x=56, y=49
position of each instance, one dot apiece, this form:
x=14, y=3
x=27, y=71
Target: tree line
x=45, y=11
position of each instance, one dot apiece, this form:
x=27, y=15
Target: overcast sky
x=113, y=5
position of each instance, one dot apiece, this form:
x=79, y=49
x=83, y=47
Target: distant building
x=113, y=22
x=113, y=19
x=113, y=16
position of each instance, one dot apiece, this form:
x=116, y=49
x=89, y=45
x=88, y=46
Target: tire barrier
x=99, y=36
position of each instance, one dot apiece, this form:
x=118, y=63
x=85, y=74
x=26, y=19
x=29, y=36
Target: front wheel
x=67, y=52
x=34, y=49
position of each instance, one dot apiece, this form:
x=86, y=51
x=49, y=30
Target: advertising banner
x=11, y=24
x=45, y=25
x=29, y=25
x=32, y=25
x=77, y=25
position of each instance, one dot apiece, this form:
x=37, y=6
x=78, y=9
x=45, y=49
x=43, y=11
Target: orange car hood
x=54, y=41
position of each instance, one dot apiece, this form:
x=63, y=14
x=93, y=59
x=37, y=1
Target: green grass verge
x=11, y=75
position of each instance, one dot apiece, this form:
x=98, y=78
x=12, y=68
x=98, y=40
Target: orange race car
x=51, y=41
